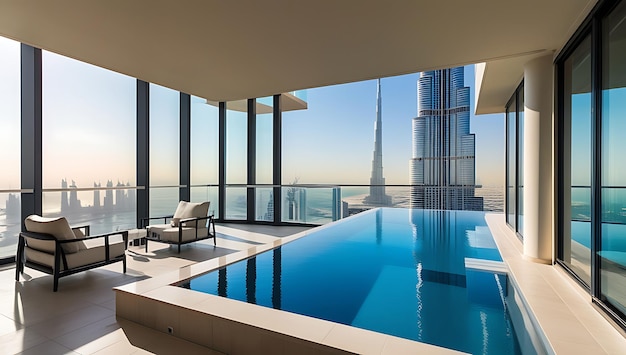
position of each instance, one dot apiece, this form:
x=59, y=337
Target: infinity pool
x=395, y=271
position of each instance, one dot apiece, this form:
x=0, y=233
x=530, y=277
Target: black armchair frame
x=60, y=257
x=211, y=219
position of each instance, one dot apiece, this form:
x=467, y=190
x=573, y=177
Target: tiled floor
x=80, y=317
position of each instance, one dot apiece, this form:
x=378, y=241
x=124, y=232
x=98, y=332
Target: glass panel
x=204, y=142
x=163, y=201
x=164, y=137
x=89, y=135
x=89, y=120
x=236, y=203
x=10, y=120
x=577, y=128
x=236, y=160
x=520, y=161
x=206, y=193
x=264, y=210
x=236, y=145
x=612, y=252
x=312, y=205
x=264, y=141
x=510, y=169
x=103, y=210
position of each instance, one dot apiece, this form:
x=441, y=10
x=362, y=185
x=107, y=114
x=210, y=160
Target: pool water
x=395, y=271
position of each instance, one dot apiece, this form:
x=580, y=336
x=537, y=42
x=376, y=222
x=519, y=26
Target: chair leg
x=178, y=248
x=146, y=245
x=55, y=286
x=19, y=262
x=124, y=263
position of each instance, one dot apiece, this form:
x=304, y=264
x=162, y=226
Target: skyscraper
x=442, y=167
x=377, y=181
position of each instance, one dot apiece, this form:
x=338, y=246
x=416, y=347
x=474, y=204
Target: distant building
x=96, y=195
x=296, y=204
x=377, y=196
x=442, y=167
x=64, y=199
x=337, y=207
x=74, y=201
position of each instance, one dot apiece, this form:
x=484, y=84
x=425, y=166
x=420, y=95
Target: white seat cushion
x=93, y=251
x=171, y=233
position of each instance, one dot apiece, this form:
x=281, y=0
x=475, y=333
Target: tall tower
x=64, y=199
x=443, y=161
x=377, y=181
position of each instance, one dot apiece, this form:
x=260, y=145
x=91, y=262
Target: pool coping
x=238, y=327
x=561, y=310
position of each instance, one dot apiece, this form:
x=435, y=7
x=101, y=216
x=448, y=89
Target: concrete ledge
x=563, y=312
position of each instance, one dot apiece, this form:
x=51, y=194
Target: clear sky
x=333, y=140
x=89, y=130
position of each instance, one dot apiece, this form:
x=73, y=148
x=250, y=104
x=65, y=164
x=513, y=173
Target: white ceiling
x=229, y=50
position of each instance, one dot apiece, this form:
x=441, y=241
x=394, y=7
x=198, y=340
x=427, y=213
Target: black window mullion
x=143, y=151
x=251, y=204
x=277, y=162
x=222, y=161
x=596, y=131
x=185, y=148
x=31, y=130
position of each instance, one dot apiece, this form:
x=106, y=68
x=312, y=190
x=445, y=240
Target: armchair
x=51, y=246
x=189, y=224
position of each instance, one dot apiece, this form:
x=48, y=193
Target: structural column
x=538, y=160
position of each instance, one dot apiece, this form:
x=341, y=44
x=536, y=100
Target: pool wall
x=235, y=327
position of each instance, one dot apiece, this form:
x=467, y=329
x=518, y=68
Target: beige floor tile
x=48, y=348
x=20, y=340
x=8, y=325
x=69, y=322
x=93, y=337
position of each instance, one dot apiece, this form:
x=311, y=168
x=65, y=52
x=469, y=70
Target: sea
x=318, y=209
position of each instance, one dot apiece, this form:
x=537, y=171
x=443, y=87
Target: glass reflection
x=510, y=168
x=612, y=252
x=577, y=162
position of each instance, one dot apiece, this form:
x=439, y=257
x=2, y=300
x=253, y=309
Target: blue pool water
x=395, y=271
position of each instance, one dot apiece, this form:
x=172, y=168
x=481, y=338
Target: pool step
x=486, y=265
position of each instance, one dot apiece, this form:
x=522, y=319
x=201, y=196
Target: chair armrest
x=86, y=229
x=144, y=220
x=40, y=236
x=124, y=235
x=194, y=219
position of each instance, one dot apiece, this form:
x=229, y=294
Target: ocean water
x=163, y=201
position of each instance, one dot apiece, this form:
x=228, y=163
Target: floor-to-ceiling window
x=10, y=86
x=514, y=198
x=88, y=139
x=612, y=248
x=264, y=199
x=577, y=139
x=204, y=153
x=511, y=134
x=164, y=150
x=520, y=161
x=592, y=174
x=236, y=161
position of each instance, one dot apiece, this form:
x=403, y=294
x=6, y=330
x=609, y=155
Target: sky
x=89, y=130
x=333, y=140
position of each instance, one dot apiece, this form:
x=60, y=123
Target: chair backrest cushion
x=57, y=227
x=189, y=210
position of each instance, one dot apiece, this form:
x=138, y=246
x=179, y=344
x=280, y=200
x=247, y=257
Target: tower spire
x=377, y=181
